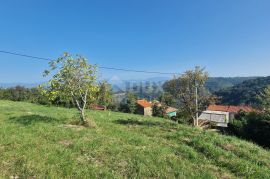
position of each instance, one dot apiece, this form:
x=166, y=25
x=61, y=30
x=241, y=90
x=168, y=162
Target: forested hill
x=244, y=93
x=213, y=84
x=218, y=83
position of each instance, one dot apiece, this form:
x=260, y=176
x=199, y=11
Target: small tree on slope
x=73, y=79
x=183, y=90
x=264, y=99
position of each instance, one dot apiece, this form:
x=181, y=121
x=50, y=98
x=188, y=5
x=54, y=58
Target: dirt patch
x=228, y=147
x=169, y=129
x=66, y=143
x=85, y=158
x=186, y=139
x=2, y=148
x=70, y=126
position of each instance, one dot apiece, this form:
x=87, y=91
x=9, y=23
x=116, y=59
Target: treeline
x=244, y=93
x=20, y=93
x=33, y=95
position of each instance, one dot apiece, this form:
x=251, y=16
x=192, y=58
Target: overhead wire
x=102, y=67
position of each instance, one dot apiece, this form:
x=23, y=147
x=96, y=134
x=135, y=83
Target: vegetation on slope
x=244, y=93
x=36, y=141
x=214, y=84
x=252, y=126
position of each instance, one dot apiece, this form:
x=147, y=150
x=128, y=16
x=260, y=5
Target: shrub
x=253, y=126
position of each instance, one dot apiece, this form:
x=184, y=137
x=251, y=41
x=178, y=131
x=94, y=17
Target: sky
x=227, y=37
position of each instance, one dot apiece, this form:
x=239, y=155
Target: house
x=222, y=115
x=144, y=107
x=171, y=112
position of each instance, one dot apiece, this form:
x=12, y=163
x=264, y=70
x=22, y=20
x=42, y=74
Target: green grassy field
x=36, y=141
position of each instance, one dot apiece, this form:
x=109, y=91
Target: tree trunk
x=82, y=116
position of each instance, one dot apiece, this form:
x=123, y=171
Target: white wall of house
x=219, y=117
x=148, y=111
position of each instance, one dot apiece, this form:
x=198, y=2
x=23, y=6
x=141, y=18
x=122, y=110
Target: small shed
x=144, y=107
x=171, y=112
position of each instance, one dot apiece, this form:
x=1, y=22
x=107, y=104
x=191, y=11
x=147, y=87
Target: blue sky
x=228, y=37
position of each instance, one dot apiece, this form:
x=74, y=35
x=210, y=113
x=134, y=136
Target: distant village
x=219, y=115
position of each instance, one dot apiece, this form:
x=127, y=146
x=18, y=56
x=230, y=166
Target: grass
x=36, y=142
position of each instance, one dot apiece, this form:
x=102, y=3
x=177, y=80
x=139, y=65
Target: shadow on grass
x=32, y=119
x=138, y=122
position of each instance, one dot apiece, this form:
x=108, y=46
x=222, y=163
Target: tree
x=167, y=99
x=104, y=95
x=73, y=79
x=183, y=89
x=131, y=102
x=159, y=110
x=264, y=99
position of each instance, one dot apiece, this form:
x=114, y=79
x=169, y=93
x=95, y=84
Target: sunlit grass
x=35, y=141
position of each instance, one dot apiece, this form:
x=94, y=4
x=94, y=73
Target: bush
x=253, y=126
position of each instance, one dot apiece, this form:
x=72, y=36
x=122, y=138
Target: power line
x=138, y=71
x=102, y=67
x=23, y=55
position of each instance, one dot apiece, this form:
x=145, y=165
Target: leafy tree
x=167, y=99
x=183, y=89
x=159, y=110
x=264, y=99
x=131, y=102
x=104, y=95
x=73, y=79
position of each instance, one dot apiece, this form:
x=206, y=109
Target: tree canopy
x=73, y=78
x=183, y=89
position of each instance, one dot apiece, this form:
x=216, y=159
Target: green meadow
x=40, y=142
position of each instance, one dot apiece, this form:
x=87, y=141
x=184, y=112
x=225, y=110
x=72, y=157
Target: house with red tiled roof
x=222, y=115
x=231, y=109
x=144, y=107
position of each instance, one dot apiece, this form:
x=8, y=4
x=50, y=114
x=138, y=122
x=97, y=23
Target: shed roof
x=144, y=103
x=171, y=109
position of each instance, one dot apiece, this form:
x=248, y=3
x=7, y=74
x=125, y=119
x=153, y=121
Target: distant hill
x=150, y=88
x=142, y=89
x=217, y=83
x=245, y=92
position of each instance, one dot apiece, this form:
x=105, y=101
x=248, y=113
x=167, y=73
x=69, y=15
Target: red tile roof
x=218, y=108
x=236, y=109
x=232, y=109
x=144, y=103
x=97, y=107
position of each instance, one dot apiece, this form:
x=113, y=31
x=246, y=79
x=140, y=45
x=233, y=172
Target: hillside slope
x=35, y=141
x=244, y=93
